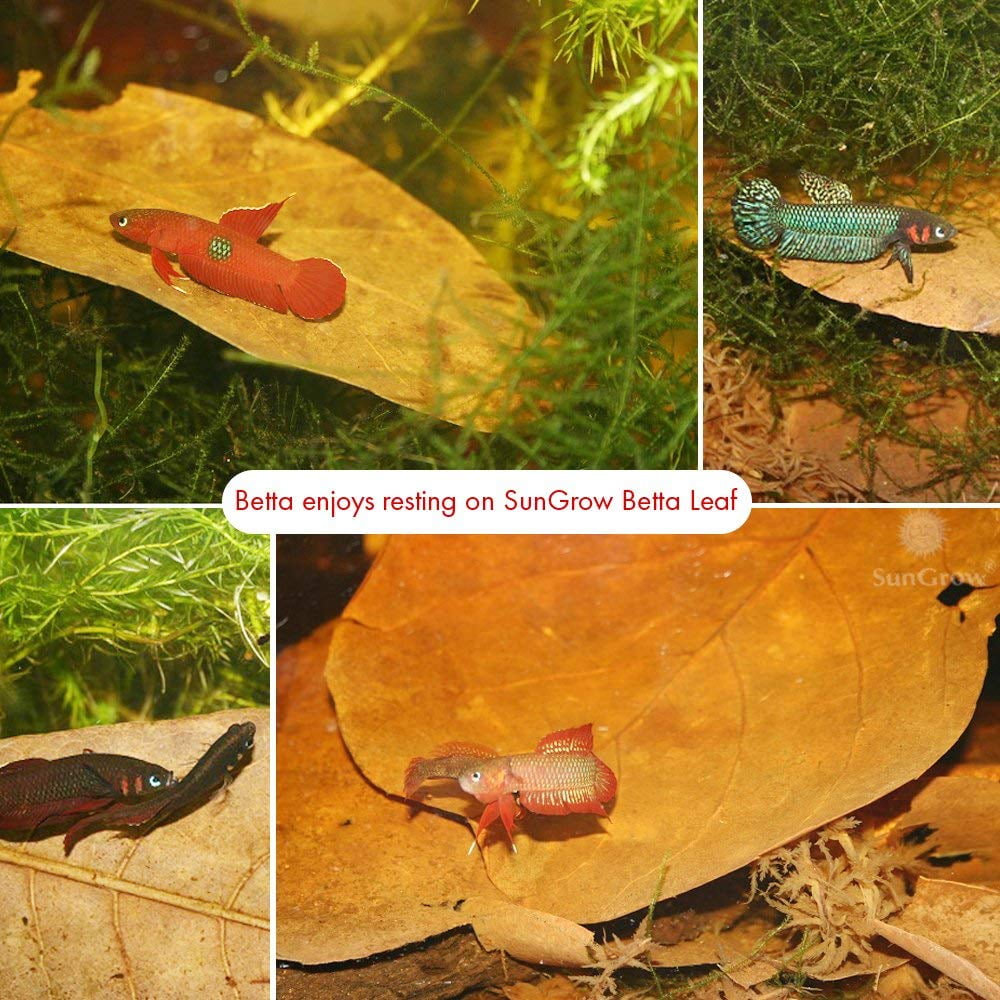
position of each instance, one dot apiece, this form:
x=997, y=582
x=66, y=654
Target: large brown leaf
x=745, y=689
x=357, y=874
x=954, y=286
x=426, y=320
x=179, y=912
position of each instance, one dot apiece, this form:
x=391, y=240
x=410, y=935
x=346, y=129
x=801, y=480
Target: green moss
x=116, y=614
x=852, y=85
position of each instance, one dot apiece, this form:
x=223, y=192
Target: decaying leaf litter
x=576, y=875
x=185, y=907
x=427, y=322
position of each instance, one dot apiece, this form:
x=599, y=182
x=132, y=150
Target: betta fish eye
x=122, y=221
x=939, y=232
x=475, y=775
x=154, y=781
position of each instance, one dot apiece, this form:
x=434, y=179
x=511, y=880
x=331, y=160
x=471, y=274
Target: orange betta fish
x=227, y=257
x=562, y=776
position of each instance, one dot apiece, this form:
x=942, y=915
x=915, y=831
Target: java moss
x=115, y=614
x=855, y=84
x=875, y=368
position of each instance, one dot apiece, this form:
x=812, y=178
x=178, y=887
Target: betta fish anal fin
x=224, y=278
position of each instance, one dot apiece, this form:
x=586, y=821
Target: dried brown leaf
x=357, y=874
x=964, y=814
x=426, y=320
x=956, y=929
x=747, y=689
x=179, y=912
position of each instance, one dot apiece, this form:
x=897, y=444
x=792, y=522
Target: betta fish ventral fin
x=224, y=278
x=252, y=222
x=579, y=740
x=824, y=190
x=163, y=267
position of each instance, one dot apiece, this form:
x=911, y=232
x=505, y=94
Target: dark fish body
x=36, y=792
x=216, y=767
x=834, y=228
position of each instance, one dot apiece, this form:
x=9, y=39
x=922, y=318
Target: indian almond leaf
x=180, y=911
x=426, y=322
x=746, y=689
x=955, y=286
x=341, y=894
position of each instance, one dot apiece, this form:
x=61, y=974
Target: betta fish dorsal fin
x=17, y=765
x=825, y=190
x=252, y=222
x=464, y=750
x=580, y=739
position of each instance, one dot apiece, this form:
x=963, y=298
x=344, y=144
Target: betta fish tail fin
x=316, y=290
x=756, y=216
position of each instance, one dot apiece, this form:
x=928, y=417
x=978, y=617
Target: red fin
x=566, y=740
x=163, y=267
x=489, y=815
x=414, y=777
x=252, y=222
x=605, y=782
x=508, y=809
x=118, y=814
x=225, y=278
x=317, y=290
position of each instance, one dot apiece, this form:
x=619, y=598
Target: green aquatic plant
x=112, y=614
x=790, y=86
x=821, y=86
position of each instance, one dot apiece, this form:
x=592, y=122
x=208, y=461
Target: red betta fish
x=562, y=776
x=227, y=256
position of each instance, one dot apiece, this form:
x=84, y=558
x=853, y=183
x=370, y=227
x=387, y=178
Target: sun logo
x=922, y=532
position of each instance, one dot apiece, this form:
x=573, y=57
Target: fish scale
x=846, y=233
x=834, y=228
